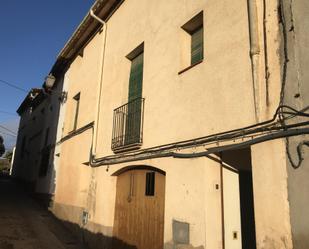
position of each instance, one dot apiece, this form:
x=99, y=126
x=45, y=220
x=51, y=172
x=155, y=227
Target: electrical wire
x=274, y=126
x=299, y=153
x=13, y=86
x=266, y=126
x=285, y=51
x=282, y=93
x=8, y=113
x=281, y=134
x=8, y=134
x=7, y=129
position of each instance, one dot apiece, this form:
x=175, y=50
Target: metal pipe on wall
x=97, y=112
x=222, y=202
x=254, y=53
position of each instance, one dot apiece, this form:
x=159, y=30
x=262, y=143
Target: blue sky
x=32, y=34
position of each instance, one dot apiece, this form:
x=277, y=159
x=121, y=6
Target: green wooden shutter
x=197, y=46
x=133, y=119
x=136, y=78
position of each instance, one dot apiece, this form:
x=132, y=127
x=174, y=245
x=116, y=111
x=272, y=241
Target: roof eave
x=83, y=33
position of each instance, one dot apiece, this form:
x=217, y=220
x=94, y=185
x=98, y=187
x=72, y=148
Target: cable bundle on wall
x=273, y=128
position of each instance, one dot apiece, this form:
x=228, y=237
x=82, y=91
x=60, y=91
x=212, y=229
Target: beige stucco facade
x=219, y=94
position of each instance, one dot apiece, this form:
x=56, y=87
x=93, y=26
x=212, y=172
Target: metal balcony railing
x=128, y=126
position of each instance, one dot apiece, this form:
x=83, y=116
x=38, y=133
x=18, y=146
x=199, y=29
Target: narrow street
x=24, y=224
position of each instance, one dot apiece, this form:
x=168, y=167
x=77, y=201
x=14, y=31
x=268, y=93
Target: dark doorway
x=240, y=161
x=247, y=210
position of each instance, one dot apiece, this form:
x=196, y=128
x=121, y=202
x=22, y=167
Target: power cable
x=13, y=86
x=8, y=113
x=276, y=128
x=3, y=127
x=8, y=134
x=299, y=148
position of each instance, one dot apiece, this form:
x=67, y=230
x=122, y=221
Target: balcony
x=128, y=126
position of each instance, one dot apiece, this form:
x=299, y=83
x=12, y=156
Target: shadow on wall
x=96, y=240
x=92, y=240
x=69, y=234
x=44, y=199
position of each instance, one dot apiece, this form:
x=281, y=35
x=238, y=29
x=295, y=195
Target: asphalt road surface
x=24, y=224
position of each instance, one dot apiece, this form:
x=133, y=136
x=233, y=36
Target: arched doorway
x=139, y=208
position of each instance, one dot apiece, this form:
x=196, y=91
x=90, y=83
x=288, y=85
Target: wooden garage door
x=139, y=211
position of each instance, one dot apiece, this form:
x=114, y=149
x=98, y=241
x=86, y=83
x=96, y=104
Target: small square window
x=194, y=28
x=192, y=42
x=150, y=184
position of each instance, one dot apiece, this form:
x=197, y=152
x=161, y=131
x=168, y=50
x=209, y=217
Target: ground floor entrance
x=237, y=200
x=139, y=210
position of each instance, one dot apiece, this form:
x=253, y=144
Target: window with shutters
x=193, y=42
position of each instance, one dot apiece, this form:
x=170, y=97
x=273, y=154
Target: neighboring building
x=34, y=155
x=174, y=132
x=30, y=133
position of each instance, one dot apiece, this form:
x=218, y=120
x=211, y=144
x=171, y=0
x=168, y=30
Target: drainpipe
x=97, y=112
x=254, y=53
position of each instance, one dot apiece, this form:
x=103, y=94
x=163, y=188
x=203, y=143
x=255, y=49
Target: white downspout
x=254, y=53
x=97, y=18
x=96, y=119
x=93, y=151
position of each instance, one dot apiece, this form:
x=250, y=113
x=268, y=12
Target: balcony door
x=133, y=120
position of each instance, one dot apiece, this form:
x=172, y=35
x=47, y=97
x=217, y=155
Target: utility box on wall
x=181, y=232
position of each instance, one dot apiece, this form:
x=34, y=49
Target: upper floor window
x=193, y=42
x=76, y=100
